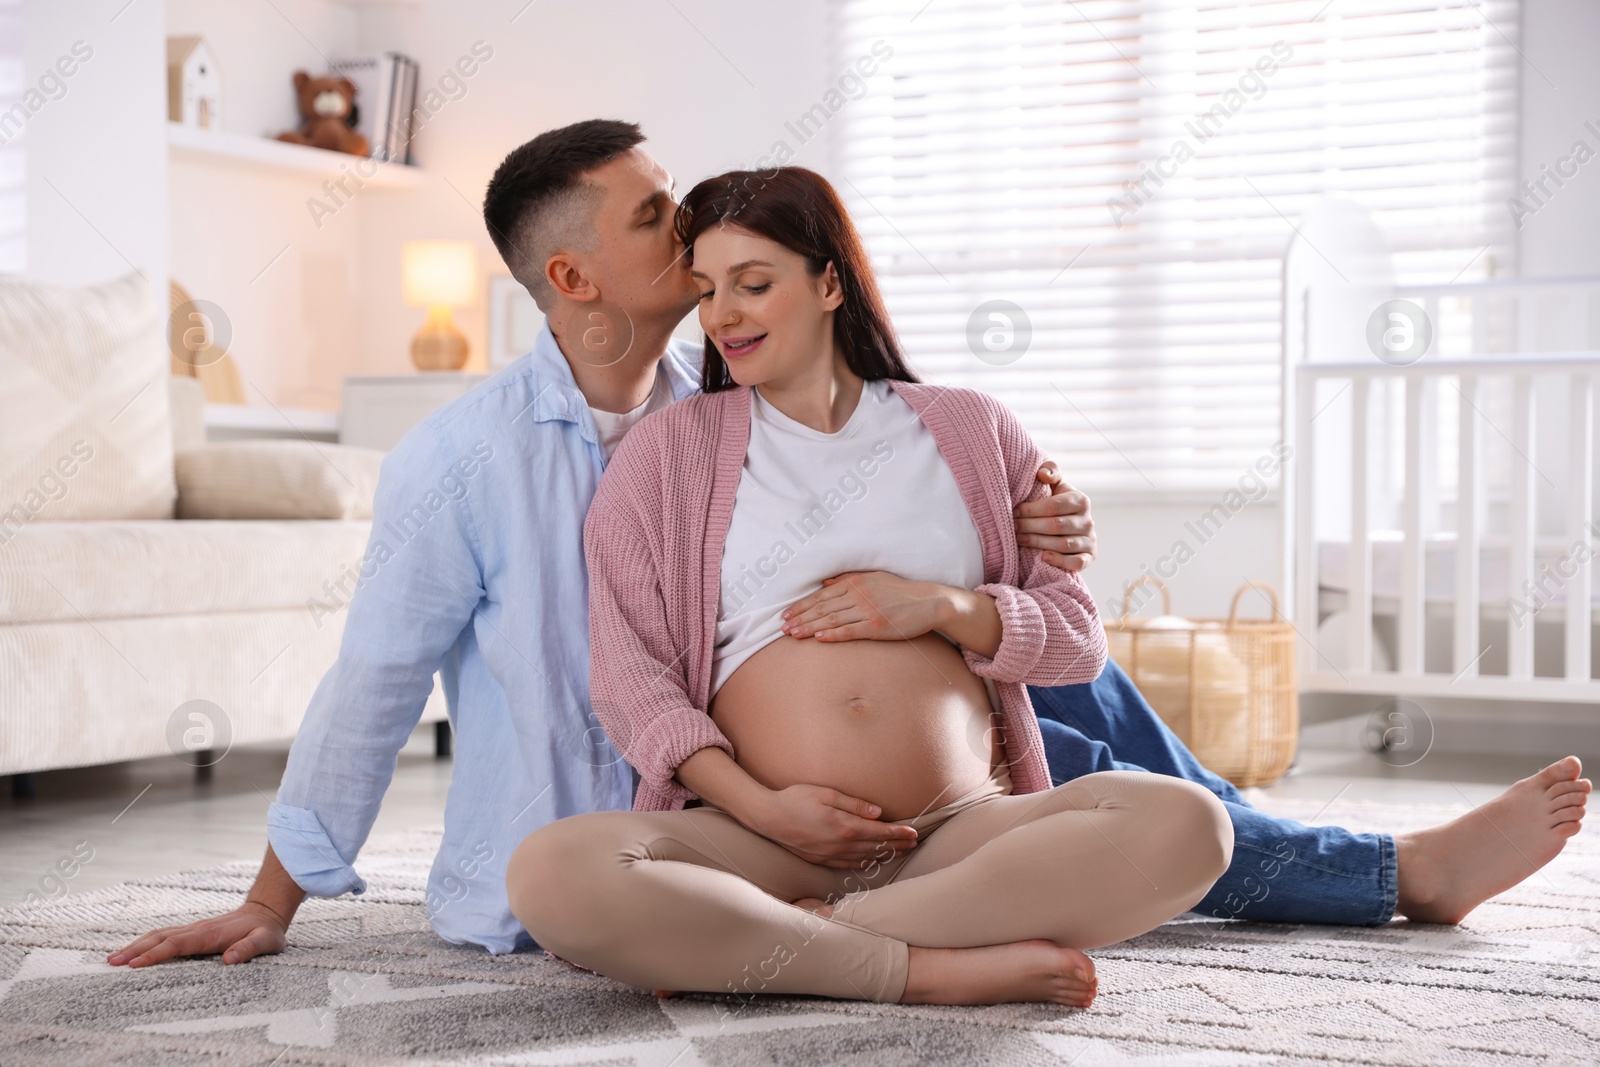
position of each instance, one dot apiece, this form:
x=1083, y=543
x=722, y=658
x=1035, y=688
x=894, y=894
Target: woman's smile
x=736, y=347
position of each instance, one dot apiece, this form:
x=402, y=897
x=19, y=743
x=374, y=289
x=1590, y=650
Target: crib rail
x=1524, y=351
x=1512, y=363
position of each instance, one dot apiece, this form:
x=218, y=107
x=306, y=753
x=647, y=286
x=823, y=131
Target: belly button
x=859, y=705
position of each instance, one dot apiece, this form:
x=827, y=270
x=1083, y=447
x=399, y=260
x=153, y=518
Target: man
x=475, y=569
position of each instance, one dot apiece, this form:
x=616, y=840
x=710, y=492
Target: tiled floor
x=152, y=817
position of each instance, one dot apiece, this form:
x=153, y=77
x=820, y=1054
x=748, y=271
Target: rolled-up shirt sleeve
x=420, y=581
x=306, y=851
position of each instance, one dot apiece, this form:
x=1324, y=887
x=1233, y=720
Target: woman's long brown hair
x=799, y=210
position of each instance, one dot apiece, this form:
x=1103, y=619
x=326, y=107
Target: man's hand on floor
x=250, y=930
x=258, y=927
x=1059, y=524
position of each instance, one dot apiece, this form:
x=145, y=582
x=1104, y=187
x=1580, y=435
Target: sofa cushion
x=84, y=425
x=60, y=571
x=188, y=403
x=277, y=480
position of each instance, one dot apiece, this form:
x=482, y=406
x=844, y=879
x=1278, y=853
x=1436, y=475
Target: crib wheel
x=1376, y=738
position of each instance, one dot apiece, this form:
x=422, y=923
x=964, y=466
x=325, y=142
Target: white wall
x=244, y=239
x=331, y=304
x=1203, y=563
x=259, y=46
x=559, y=63
x=13, y=161
x=1560, y=94
x=96, y=158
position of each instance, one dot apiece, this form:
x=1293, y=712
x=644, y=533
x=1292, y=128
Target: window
x=1128, y=175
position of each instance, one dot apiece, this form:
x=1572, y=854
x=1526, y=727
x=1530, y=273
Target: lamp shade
x=439, y=273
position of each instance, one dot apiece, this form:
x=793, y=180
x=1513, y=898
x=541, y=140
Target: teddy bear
x=327, y=103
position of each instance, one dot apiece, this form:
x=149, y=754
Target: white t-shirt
x=876, y=495
x=612, y=427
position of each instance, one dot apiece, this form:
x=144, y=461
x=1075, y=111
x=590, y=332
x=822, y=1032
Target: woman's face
x=769, y=318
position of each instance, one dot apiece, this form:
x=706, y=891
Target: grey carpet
x=367, y=982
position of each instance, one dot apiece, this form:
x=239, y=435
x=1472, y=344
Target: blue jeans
x=1282, y=871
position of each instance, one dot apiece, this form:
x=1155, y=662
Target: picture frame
x=514, y=321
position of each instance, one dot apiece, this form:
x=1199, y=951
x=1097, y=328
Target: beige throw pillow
x=277, y=480
x=84, y=425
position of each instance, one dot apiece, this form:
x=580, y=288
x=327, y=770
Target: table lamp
x=439, y=275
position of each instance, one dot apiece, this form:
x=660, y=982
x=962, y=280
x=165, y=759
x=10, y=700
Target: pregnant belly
x=903, y=724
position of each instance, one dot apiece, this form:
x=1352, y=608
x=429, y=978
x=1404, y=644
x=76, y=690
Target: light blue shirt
x=474, y=569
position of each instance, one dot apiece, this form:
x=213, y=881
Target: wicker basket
x=1226, y=687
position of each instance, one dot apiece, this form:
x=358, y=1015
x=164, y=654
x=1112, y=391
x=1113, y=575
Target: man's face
x=638, y=261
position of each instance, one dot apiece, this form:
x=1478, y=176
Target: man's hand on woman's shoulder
x=1059, y=525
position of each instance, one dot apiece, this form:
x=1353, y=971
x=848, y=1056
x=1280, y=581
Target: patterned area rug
x=368, y=983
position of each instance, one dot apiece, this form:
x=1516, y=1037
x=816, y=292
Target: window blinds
x=1128, y=174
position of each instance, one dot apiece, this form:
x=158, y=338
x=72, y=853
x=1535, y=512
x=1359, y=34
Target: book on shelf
x=386, y=95
x=400, y=143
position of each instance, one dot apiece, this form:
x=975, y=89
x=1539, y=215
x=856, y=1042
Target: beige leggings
x=691, y=900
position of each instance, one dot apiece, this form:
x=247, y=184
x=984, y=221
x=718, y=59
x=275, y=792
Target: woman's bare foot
x=1025, y=971
x=1446, y=871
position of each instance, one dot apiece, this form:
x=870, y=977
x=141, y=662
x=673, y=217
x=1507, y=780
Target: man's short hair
x=538, y=202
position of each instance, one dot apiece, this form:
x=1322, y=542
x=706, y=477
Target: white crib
x=1439, y=515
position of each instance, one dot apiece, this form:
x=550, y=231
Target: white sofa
x=147, y=578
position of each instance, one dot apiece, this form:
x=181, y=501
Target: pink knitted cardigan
x=654, y=539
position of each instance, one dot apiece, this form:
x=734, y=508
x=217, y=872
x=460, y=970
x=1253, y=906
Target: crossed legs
x=691, y=900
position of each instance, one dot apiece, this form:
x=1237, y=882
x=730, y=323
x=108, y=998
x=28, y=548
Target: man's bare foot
x=1446, y=871
x=1025, y=971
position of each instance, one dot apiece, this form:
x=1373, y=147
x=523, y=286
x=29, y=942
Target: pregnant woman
x=811, y=634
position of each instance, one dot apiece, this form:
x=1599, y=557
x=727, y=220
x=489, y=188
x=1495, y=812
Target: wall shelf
x=241, y=151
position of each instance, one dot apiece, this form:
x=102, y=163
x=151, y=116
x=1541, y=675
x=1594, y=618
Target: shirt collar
x=682, y=364
x=556, y=392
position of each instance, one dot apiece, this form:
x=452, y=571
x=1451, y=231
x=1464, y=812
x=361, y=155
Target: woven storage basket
x=1226, y=687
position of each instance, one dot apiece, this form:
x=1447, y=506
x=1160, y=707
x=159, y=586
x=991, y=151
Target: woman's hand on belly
x=819, y=824
x=829, y=828
x=879, y=606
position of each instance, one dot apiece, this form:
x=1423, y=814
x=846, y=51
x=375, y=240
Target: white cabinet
x=379, y=409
